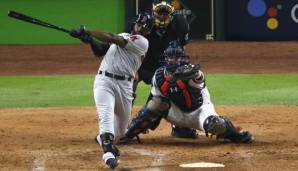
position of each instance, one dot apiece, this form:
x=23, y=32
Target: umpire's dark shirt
x=158, y=41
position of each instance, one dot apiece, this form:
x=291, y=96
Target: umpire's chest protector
x=186, y=97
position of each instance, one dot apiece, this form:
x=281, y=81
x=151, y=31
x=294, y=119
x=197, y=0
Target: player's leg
x=105, y=108
x=180, y=127
x=148, y=117
x=123, y=109
x=182, y=119
x=105, y=103
x=212, y=123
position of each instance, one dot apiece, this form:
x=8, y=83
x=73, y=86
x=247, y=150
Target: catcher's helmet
x=143, y=23
x=162, y=12
x=174, y=55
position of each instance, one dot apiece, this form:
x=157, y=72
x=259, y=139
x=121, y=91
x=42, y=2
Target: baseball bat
x=32, y=20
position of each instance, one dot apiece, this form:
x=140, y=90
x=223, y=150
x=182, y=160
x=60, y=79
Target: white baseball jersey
x=113, y=98
x=127, y=60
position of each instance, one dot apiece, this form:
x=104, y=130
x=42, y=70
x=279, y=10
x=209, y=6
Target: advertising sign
x=261, y=20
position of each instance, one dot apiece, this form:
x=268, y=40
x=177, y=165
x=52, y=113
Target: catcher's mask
x=143, y=24
x=163, y=13
x=174, y=56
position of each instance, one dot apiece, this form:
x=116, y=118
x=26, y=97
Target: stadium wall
x=107, y=15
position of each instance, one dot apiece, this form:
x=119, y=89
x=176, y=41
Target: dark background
x=239, y=25
x=232, y=19
x=201, y=14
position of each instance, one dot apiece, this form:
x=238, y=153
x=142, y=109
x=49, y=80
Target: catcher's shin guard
x=224, y=129
x=145, y=120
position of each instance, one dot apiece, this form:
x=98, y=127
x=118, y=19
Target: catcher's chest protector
x=187, y=98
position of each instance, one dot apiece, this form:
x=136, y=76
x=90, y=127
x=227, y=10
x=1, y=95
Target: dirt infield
x=63, y=138
x=219, y=57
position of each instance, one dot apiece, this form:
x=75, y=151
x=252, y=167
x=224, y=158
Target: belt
x=117, y=77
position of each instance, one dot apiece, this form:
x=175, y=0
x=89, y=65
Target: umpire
x=168, y=27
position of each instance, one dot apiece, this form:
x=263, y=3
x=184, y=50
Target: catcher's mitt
x=187, y=72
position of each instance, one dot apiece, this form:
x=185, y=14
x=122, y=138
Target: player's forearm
x=99, y=48
x=107, y=37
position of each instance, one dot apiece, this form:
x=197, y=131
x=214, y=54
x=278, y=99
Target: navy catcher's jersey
x=187, y=98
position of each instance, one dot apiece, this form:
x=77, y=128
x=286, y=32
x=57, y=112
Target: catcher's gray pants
x=193, y=119
x=113, y=100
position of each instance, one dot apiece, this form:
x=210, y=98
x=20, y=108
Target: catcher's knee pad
x=146, y=119
x=224, y=129
x=214, y=125
x=107, y=143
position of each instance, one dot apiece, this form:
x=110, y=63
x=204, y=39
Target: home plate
x=201, y=164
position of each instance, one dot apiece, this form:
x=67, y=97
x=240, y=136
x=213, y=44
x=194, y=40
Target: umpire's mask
x=163, y=14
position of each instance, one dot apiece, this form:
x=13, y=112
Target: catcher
x=180, y=95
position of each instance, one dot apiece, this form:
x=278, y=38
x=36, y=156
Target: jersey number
x=133, y=38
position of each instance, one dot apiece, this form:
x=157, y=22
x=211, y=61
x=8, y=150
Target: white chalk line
x=42, y=156
x=39, y=164
x=157, y=157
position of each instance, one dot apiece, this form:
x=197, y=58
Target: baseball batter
x=180, y=95
x=114, y=81
x=168, y=26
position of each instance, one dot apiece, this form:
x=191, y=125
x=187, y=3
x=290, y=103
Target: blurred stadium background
x=213, y=20
x=254, y=20
x=47, y=115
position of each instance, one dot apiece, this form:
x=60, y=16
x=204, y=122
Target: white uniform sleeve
x=137, y=44
x=155, y=90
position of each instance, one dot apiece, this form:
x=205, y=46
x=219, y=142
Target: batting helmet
x=143, y=23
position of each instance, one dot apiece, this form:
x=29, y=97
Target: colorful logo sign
x=294, y=11
x=258, y=8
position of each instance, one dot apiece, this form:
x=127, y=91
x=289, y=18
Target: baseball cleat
x=97, y=139
x=112, y=163
x=184, y=132
x=110, y=160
